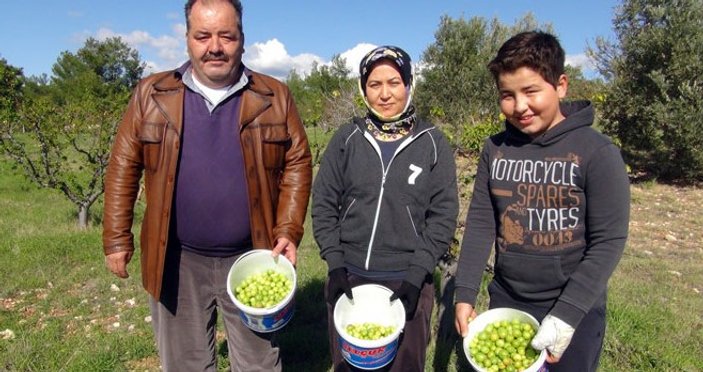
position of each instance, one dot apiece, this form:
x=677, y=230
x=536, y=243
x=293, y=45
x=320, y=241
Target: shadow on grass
x=447, y=341
x=303, y=341
x=443, y=351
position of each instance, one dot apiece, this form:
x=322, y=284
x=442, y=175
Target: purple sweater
x=211, y=205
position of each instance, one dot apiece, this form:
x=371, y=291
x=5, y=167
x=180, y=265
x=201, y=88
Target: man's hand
x=287, y=248
x=117, y=263
x=554, y=335
x=463, y=314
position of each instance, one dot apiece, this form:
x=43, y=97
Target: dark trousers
x=583, y=353
x=412, y=346
x=184, y=319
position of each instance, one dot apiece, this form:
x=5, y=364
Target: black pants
x=583, y=353
x=412, y=346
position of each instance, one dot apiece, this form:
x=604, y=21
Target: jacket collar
x=255, y=100
x=169, y=92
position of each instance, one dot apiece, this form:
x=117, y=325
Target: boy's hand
x=554, y=335
x=463, y=314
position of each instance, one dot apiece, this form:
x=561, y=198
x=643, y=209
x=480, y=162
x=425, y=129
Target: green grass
x=67, y=315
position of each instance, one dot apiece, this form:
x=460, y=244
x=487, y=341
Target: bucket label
x=268, y=323
x=368, y=358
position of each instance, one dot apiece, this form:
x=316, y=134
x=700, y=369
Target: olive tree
x=653, y=103
x=11, y=83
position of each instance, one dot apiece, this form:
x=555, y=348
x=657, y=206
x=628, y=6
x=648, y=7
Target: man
x=227, y=169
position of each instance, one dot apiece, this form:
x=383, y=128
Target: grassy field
x=60, y=310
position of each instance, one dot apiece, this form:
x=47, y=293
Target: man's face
x=530, y=103
x=215, y=43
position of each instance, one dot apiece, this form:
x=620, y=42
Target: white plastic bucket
x=491, y=316
x=254, y=262
x=371, y=304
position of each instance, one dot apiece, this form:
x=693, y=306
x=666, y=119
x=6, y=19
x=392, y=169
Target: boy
x=553, y=195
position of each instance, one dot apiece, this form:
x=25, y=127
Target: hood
x=578, y=114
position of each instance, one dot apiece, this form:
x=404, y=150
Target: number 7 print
x=416, y=172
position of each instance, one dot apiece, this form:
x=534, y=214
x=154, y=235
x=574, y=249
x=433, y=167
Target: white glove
x=554, y=335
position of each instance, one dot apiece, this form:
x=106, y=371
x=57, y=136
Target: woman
x=385, y=203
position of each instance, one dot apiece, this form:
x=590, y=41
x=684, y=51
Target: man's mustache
x=215, y=57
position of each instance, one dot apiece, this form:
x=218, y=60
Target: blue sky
x=280, y=35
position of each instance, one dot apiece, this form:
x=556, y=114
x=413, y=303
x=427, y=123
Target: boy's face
x=529, y=102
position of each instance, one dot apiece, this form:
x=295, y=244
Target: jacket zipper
x=403, y=145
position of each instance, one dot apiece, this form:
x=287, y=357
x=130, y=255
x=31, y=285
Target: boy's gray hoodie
x=557, y=208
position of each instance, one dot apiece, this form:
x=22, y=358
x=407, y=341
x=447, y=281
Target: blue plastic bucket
x=262, y=319
x=371, y=304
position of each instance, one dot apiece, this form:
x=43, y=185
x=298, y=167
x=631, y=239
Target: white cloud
x=179, y=29
x=271, y=58
x=580, y=60
x=354, y=56
x=162, y=52
x=159, y=52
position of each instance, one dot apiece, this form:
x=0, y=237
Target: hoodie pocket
x=152, y=135
x=349, y=207
x=532, y=277
x=412, y=222
x=413, y=209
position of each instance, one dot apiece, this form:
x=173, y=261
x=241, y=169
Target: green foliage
x=11, y=82
x=654, y=100
x=65, y=147
x=455, y=86
x=581, y=88
x=61, y=133
x=306, y=99
x=316, y=93
x=472, y=137
x=326, y=99
x=99, y=69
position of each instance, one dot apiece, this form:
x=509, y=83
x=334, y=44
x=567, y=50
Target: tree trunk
x=83, y=212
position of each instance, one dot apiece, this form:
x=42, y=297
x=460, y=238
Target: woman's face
x=385, y=90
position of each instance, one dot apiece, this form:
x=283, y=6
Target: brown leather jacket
x=276, y=157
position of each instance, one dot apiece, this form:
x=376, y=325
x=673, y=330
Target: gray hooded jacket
x=398, y=218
